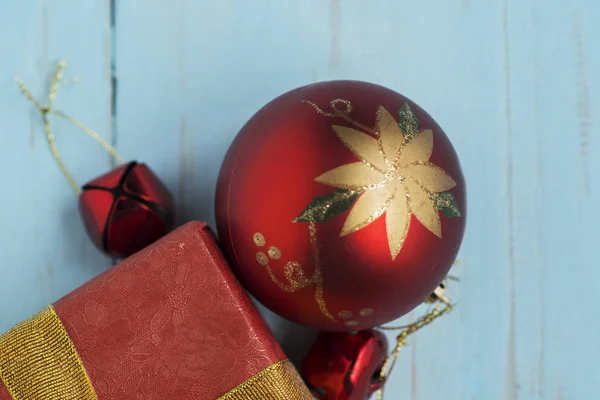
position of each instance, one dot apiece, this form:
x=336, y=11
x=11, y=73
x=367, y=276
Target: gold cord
x=47, y=109
x=390, y=361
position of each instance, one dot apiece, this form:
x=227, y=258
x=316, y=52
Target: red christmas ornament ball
x=345, y=366
x=341, y=205
x=126, y=209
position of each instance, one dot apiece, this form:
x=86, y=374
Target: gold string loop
x=47, y=109
x=442, y=306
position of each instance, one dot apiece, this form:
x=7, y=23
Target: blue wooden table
x=514, y=83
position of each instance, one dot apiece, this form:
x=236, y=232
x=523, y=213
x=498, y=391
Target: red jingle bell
x=126, y=209
x=345, y=366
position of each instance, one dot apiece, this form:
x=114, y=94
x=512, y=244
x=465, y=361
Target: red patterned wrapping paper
x=170, y=322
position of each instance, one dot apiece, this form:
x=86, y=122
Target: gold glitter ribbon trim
x=280, y=381
x=38, y=361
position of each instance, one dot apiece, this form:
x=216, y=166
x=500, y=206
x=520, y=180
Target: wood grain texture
x=514, y=83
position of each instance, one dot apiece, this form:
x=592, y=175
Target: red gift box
x=170, y=322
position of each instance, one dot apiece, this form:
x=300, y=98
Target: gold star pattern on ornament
x=393, y=177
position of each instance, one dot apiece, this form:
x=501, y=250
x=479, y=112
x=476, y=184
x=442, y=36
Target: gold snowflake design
x=393, y=177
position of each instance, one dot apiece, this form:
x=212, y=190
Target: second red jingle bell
x=345, y=366
x=126, y=209
x=341, y=205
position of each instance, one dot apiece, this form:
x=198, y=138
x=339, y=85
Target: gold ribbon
x=38, y=361
x=280, y=381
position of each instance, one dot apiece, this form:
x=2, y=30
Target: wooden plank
x=45, y=251
x=526, y=308
x=566, y=42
